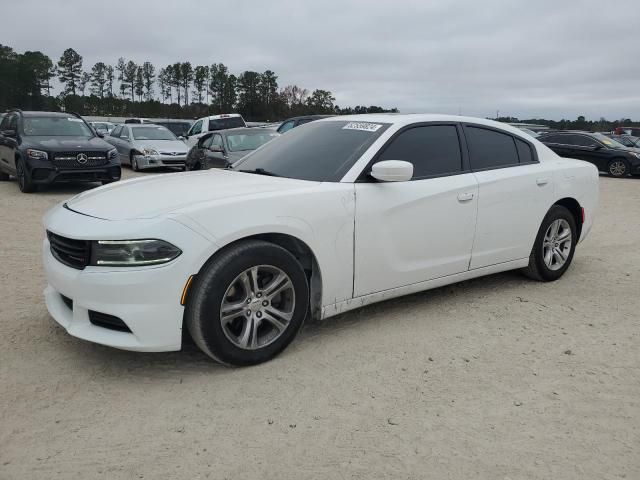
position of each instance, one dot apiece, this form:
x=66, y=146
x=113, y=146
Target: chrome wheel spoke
x=249, y=336
x=278, y=287
x=275, y=321
x=229, y=311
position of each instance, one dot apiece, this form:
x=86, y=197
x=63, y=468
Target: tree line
x=178, y=90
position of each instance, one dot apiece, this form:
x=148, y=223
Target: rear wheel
x=618, y=167
x=248, y=304
x=554, y=247
x=25, y=183
x=134, y=163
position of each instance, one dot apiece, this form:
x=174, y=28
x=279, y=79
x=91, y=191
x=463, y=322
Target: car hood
x=63, y=144
x=162, y=145
x=149, y=197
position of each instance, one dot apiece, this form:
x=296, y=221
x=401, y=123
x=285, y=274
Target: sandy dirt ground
x=495, y=378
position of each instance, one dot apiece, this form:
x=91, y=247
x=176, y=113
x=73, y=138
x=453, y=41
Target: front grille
x=173, y=162
x=174, y=154
x=110, y=322
x=73, y=253
x=79, y=159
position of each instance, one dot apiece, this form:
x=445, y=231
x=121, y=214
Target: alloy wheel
x=617, y=168
x=556, y=245
x=257, y=307
x=20, y=174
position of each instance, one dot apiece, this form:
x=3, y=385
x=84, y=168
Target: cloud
x=527, y=59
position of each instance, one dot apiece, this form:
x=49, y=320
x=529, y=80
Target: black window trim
x=365, y=174
x=534, y=151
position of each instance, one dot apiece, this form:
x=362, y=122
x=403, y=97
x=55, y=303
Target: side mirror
x=182, y=137
x=596, y=147
x=392, y=171
x=100, y=134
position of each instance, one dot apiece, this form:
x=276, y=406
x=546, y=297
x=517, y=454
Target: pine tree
x=70, y=71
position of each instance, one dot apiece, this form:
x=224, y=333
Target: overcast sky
x=525, y=58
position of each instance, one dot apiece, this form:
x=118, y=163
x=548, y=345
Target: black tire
x=4, y=177
x=618, y=167
x=134, y=162
x=202, y=313
x=537, y=268
x=25, y=184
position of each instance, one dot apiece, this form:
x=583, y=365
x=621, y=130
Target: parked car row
x=604, y=152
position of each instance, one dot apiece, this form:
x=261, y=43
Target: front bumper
x=156, y=161
x=146, y=299
x=43, y=172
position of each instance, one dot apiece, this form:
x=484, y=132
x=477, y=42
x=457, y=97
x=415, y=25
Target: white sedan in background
x=335, y=214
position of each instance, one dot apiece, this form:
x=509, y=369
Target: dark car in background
x=294, y=122
x=40, y=148
x=605, y=153
x=222, y=148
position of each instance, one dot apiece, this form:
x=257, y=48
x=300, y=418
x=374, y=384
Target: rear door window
x=490, y=149
x=434, y=150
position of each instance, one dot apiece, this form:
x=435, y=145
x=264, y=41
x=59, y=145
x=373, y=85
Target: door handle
x=542, y=181
x=465, y=197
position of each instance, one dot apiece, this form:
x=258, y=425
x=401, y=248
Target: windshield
x=319, y=151
x=225, y=123
x=56, y=127
x=609, y=142
x=152, y=133
x=243, y=142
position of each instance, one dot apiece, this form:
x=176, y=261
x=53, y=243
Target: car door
x=410, y=232
x=8, y=143
x=515, y=192
x=215, y=153
x=124, y=143
x=195, y=132
x=584, y=147
x=114, y=137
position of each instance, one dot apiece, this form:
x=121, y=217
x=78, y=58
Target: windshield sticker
x=74, y=120
x=607, y=142
x=364, y=126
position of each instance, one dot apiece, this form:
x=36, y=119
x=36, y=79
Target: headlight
x=148, y=152
x=132, y=253
x=637, y=155
x=37, y=154
x=113, y=153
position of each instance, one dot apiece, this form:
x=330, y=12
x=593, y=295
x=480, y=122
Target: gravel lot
x=496, y=378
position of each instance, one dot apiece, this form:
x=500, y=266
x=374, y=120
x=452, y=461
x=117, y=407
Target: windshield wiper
x=260, y=171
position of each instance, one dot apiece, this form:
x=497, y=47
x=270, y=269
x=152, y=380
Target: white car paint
x=370, y=241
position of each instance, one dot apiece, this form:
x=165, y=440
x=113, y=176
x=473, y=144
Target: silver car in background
x=145, y=145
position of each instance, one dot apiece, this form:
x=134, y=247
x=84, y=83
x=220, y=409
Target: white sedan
x=337, y=214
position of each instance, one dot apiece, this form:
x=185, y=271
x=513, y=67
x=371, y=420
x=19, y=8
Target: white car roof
x=224, y=115
x=401, y=119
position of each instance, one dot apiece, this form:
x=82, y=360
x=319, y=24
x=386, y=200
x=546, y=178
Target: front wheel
x=248, y=303
x=554, y=246
x=618, y=167
x=25, y=183
x=134, y=163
